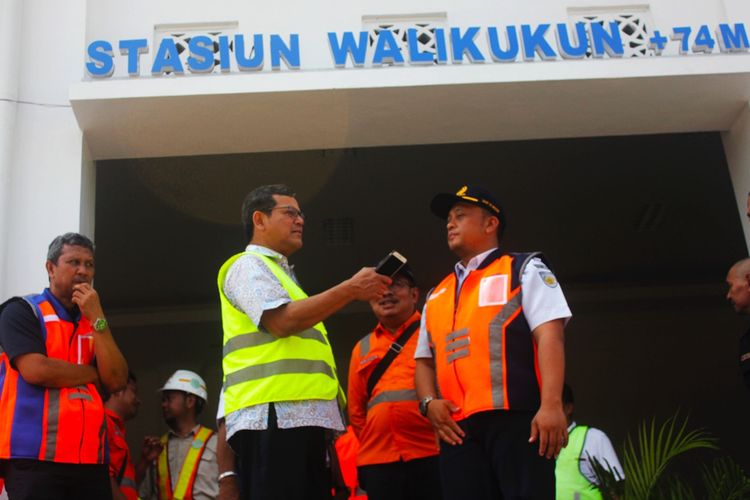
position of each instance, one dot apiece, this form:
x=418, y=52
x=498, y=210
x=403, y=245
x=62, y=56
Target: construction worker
x=52, y=426
x=120, y=407
x=398, y=453
x=574, y=472
x=183, y=461
x=491, y=359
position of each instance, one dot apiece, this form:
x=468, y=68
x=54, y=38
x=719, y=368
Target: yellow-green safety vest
x=570, y=483
x=262, y=368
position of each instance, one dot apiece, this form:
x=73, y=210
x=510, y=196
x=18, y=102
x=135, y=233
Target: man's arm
x=438, y=410
x=549, y=425
x=300, y=315
x=38, y=369
x=356, y=394
x=110, y=363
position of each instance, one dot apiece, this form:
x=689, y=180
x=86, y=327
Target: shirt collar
x=72, y=316
x=279, y=258
x=193, y=432
x=381, y=330
x=473, y=263
x=115, y=417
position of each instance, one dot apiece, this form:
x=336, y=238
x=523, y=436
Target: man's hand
x=229, y=488
x=87, y=300
x=368, y=285
x=439, y=413
x=550, y=428
x=151, y=448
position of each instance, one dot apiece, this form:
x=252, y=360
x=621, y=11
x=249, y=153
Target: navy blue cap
x=474, y=195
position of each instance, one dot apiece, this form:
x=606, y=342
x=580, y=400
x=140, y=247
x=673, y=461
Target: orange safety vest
x=184, y=488
x=64, y=424
x=347, y=446
x=485, y=355
x=388, y=423
x=120, y=464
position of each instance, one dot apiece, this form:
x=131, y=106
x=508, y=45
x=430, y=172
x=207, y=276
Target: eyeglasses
x=290, y=211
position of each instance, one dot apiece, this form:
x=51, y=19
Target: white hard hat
x=187, y=381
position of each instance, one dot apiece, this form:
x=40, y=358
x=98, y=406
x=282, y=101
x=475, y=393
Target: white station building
x=616, y=136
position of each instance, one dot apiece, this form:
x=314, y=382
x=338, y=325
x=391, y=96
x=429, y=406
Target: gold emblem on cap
x=462, y=191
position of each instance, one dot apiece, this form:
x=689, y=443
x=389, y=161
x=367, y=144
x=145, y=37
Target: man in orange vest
x=492, y=339
x=183, y=461
x=120, y=407
x=397, y=458
x=57, y=345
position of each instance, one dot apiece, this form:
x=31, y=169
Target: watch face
x=100, y=324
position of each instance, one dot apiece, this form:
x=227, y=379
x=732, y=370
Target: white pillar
x=10, y=28
x=737, y=149
x=46, y=185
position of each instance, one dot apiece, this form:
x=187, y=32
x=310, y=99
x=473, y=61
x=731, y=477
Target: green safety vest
x=262, y=368
x=570, y=483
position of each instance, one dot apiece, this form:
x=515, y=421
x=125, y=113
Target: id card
x=493, y=290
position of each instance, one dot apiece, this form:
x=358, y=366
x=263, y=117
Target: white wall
x=44, y=186
x=10, y=25
x=737, y=149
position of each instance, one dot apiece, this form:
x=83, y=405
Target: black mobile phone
x=391, y=264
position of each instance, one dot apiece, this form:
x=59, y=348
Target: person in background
x=398, y=451
x=56, y=346
x=183, y=461
x=120, y=407
x=738, y=280
x=575, y=476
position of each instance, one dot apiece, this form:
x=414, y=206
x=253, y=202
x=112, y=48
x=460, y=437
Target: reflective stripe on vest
x=184, y=488
x=392, y=397
x=260, y=367
x=64, y=425
x=570, y=483
x=475, y=333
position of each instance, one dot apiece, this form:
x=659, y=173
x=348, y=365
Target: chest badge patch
x=548, y=278
x=493, y=290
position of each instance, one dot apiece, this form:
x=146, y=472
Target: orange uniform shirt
x=119, y=453
x=391, y=430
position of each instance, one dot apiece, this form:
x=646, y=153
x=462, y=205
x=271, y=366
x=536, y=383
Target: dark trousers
x=496, y=460
x=417, y=479
x=283, y=464
x=39, y=480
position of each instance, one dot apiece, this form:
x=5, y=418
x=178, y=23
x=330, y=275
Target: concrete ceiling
x=639, y=211
x=288, y=111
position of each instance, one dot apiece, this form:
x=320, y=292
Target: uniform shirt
x=541, y=300
x=598, y=446
x=251, y=287
x=206, y=485
x=389, y=431
x=119, y=453
x=20, y=332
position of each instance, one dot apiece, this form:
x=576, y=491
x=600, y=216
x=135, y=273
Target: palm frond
x=725, y=480
x=657, y=445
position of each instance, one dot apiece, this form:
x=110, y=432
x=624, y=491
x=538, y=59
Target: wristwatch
x=99, y=325
x=423, y=405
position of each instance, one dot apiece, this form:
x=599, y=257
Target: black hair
x=73, y=239
x=261, y=199
x=105, y=394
